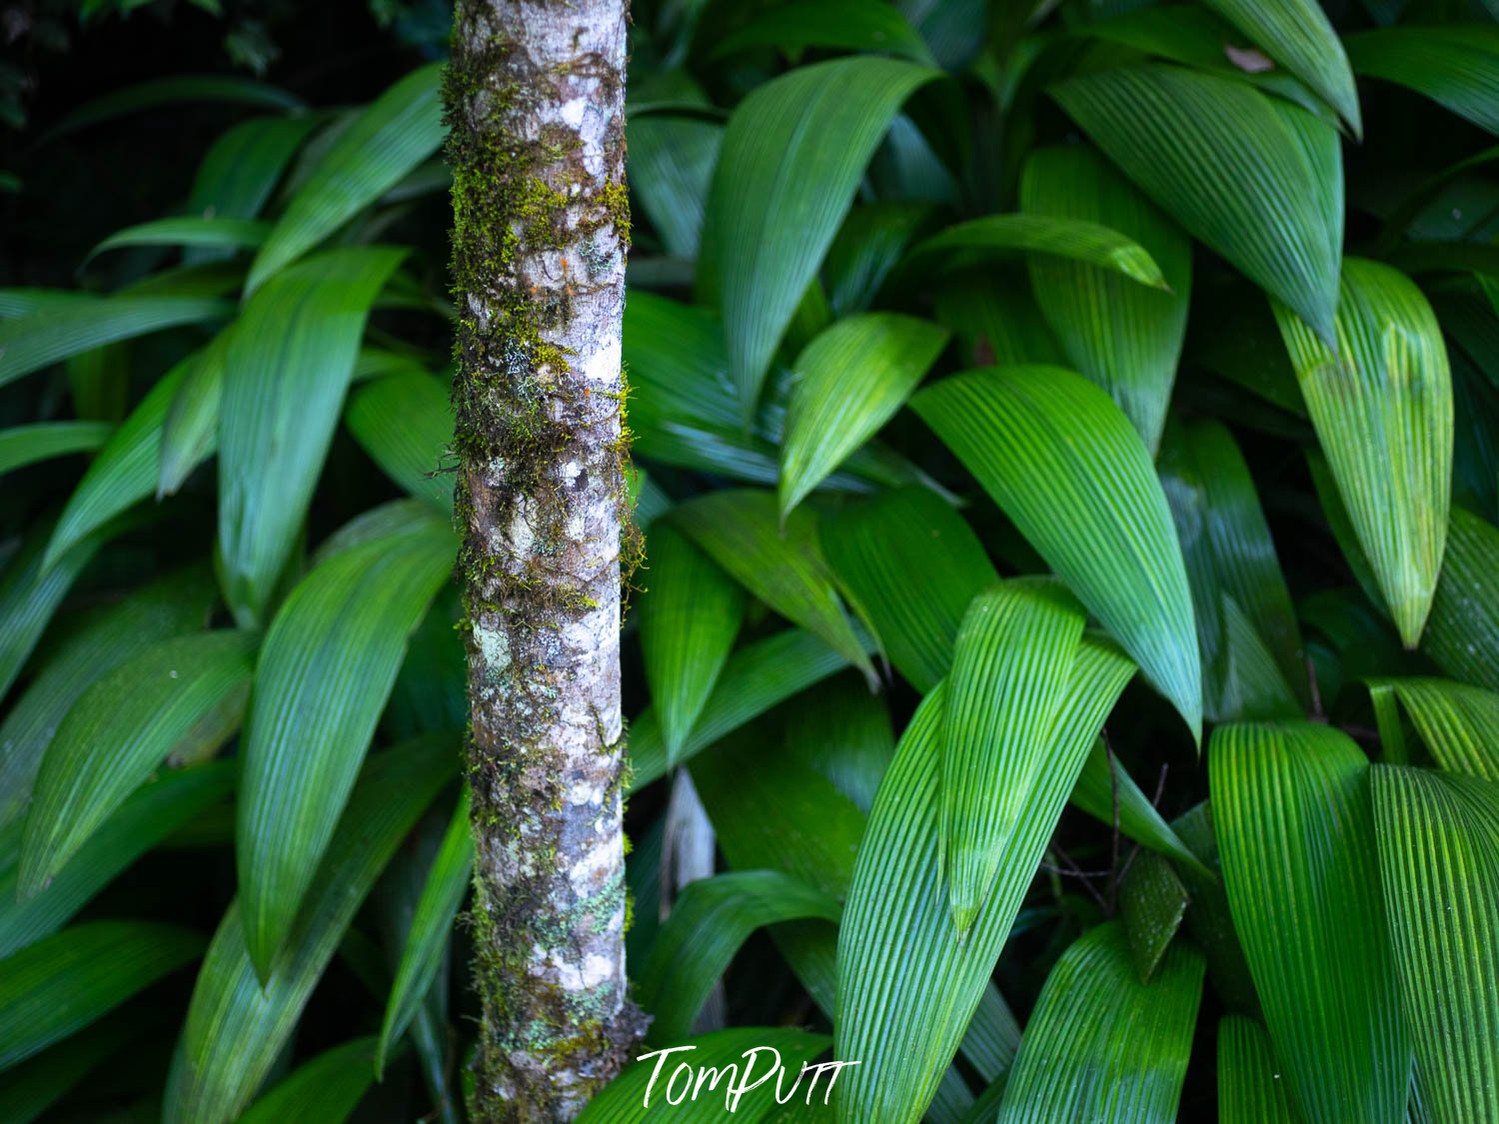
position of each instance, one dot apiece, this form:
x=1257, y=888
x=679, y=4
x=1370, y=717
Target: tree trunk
x=541, y=222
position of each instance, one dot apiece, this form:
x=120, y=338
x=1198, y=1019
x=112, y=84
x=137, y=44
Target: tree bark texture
x=535, y=100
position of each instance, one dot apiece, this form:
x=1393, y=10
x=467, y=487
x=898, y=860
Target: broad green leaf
x=1456, y=65
x=236, y=1026
x=399, y=130
x=792, y=156
x=1298, y=35
x=1250, y=1089
x=1015, y=650
x=869, y=245
x=1152, y=905
x=31, y=588
x=241, y=170
x=431, y=930
x=405, y=423
x=73, y=327
x=1255, y=178
x=1094, y=511
x=1438, y=841
x=287, y=367
x=177, y=603
x=1382, y=406
x=1071, y=238
x=1462, y=633
x=780, y=564
x=710, y=919
x=183, y=690
x=756, y=678
x=671, y=164
x=146, y=817
x=326, y=668
x=324, y=1090
x=1458, y=723
x=913, y=565
x=22, y=445
x=1100, y=1044
x=743, y=1053
x=846, y=25
x=192, y=230
x=689, y=618
x=1291, y=810
x=1125, y=337
x=178, y=89
x=60, y=984
x=906, y=991
x=1109, y=794
x=1209, y=921
x=844, y=733
x=850, y=381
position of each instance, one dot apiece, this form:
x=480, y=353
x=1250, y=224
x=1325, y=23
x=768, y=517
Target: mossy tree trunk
x=536, y=114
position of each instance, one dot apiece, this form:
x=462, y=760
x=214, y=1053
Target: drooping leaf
x=792, y=155
x=1453, y=64
x=781, y=565
x=287, y=367
x=1250, y=1089
x=399, y=129
x=324, y=1090
x=1438, y=841
x=1291, y=811
x=689, y=618
x=1125, y=337
x=22, y=445
x=326, y=667
x=1015, y=650
x=1064, y=237
x=431, y=930
x=405, y=423
x=1094, y=511
x=1458, y=723
x=185, y=689
x=233, y=89
x=850, y=380
x=31, y=588
x=242, y=168
x=236, y=1026
x=61, y=984
x=1462, y=633
x=1255, y=178
x=1382, y=407
x=192, y=230
x=1100, y=1044
x=1109, y=794
x=906, y=991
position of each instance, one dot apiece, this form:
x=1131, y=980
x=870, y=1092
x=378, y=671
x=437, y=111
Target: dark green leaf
x=1152, y=905
x=671, y=163
x=1250, y=1089
x=846, y=25
x=1456, y=65
x=324, y=1090
x=177, y=90
x=1462, y=633
x=1109, y=794
x=405, y=423
x=26, y=444
x=212, y=233
x=31, y=588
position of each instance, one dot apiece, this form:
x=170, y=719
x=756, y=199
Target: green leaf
x=1458, y=723
x=60, y=984
x=792, y=156
x=639, y=1093
x=1209, y=921
x=405, y=423
x=1071, y=238
x=1015, y=649
x=913, y=565
x=1257, y=179
x=1125, y=337
x=183, y=690
x=1100, y=1044
x=1152, y=905
x=1462, y=633
x=843, y=25
x=327, y=666
x=780, y=564
x=22, y=445
x=1250, y=1090
x=1297, y=34
x=1382, y=406
x=243, y=166
x=671, y=164
x=1094, y=510
x=399, y=129
x=869, y=245
x=236, y=1027
x=710, y=919
x=287, y=367
x=74, y=327
x=190, y=430
x=1109, y=794
x=325, y=1090
x=31, y=588
x=906, y=991
x=178, y=89
x=30, y=1089
x=1291, y=810
x=756, y=678
x=146, y=817
x=689, y=618
x=850, y=381
x=431, y=930
x=1438, y=841
x=844, y=733
x=214, y=233
x=1454, y=65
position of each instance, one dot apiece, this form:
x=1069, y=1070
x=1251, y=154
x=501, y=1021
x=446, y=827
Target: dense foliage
x=1065, y=671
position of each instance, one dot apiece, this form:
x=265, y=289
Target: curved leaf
x=31, y=588
x=1094, y=510
x=190, y=430
x=242, y=168
x=213, y=233
x=1458, y=723
x=405, y=423
x=326, y=668
x=178, y=89
x=792, y=155
x=22, y=445
x=1257, y=179
x=1072, y=238
x=324, y=1090
x=1124, y=337
x=1250, y=1090
x=1110, y=795
x=1454, y=65
x=670, y=166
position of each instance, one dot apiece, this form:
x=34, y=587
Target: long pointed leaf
x=405, y=423
x=1462, y=633
x=1073, y=238
x=324, y=1090
x=1458, y=723
x=1453, y=65
x=22, y=445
